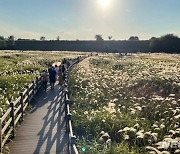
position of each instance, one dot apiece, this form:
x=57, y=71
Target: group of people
x=53, y=74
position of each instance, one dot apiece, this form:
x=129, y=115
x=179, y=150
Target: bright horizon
x=83, y=19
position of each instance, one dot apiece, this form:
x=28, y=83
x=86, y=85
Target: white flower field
x=119, y=103
x=127, y=104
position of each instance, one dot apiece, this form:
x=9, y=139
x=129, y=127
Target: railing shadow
x=52, y=133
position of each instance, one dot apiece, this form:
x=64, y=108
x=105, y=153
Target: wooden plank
x=6, y=114
x=7, y=136
x=25, y=99
x=30, y=86
x=17, y=100
x=75, y=151
x=6, y=126
x=30, y=92
x=24, y=92
x=17, y=119
x=66, y=96
x=24, y=108
x=68, y=110
x=70, y=129
x=17, y=109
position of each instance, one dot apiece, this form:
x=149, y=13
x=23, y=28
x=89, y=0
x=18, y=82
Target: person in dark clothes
x=60, y=74
x=63, y=69
x=64, y=61
x=52, y=77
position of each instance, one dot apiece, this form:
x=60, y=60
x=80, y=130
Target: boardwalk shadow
x=52, y=136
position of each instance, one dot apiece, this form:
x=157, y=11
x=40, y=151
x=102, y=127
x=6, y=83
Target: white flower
x=171, y=95
x=177, y=117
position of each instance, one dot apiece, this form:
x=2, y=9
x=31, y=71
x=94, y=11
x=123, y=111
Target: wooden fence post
x=68, y=131
x=66, y=76
x=36, y=87
x=67, y=122
x=73, y=139
x=33, y=87
x=27, y=87
x=0, y=136
x=13, y=118
x=66, y=100
x=22, y=105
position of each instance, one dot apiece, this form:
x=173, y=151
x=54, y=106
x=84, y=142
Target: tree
x=2, y=38
x=133, y=38
x=11, y=41
x=42, y=38
x=58, y=38
x=11, y=38
x=152, y=38
x=168, y=43
x=110, y=37
x=2, y=42
x=98, y=37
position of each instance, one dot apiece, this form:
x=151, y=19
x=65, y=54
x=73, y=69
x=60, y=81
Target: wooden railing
x=15, y=113
x=72, y=149
x=72, y=139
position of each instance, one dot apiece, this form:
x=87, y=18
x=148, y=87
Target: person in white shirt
x=56, y=68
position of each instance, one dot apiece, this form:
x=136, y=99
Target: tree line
x=7, y=43
x=168, y=43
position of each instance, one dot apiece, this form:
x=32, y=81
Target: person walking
x=56, y=68
x=63, y=69
x=60, y=76
x=52, y=77
x=44, y=79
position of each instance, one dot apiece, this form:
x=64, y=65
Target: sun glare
x=104, y=3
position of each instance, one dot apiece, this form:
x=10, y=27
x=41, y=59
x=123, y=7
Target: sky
x=83, y=19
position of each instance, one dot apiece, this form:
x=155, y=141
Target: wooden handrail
x=6, y=126
x=72, y=139
x=17, y=100
x=5, y=115
x=7, y=136
x=30, y=86
x=17, y=109
x=24, y=108
x=17, y=119
x=24, y=92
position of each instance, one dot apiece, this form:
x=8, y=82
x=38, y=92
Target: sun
x=104, y=3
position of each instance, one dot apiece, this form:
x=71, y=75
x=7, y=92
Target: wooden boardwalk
x=43, y=130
